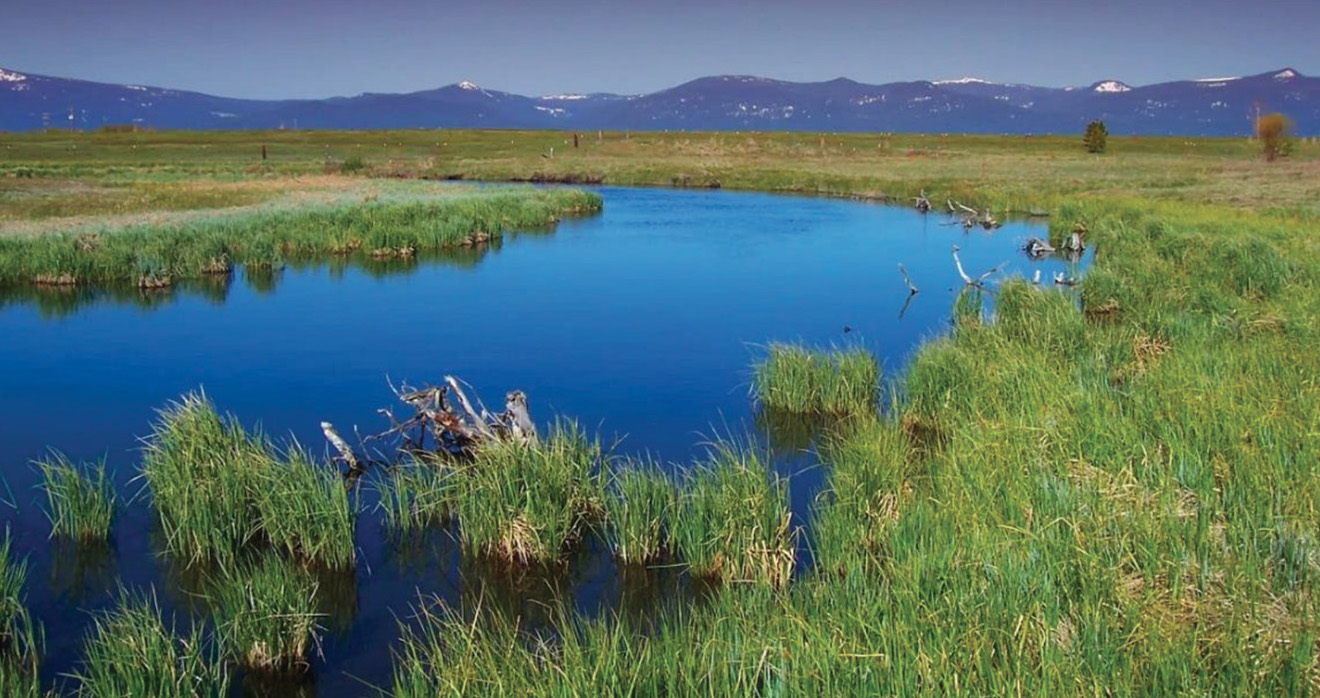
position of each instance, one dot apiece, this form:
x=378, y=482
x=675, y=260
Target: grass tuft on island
x=526, y=503
x=81, y=499
x=219, y=491
x=131, y=651
x=836, y=382
x=266, y=616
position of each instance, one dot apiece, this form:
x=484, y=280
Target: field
x=1110, y=494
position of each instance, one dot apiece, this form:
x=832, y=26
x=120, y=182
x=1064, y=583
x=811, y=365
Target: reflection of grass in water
x=837, y=382
x=788, y=432
x=132, y=652
x=81, y=570
x=80, y=498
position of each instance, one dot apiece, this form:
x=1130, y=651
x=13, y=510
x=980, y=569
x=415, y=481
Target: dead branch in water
x=912, y=288
x=979, y=281
x=443, y=423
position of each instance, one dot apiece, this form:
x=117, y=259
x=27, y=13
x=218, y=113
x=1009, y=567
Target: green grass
x=19, y=644
x=871, y=469
x=732, y=522
x=639, y=509
x=444, y=654
x=837, y=382
x=528, y=503
x=266, y=616
x=80, y=499
x=132, y=652
x=305, y=510
x=219, y=491
x=159, y=254
x=417, y=496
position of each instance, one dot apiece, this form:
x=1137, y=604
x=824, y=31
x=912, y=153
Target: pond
x=641, y=323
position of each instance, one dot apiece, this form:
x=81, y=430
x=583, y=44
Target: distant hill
x=1215, y=106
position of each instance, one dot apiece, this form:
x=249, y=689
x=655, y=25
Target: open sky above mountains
x=318, y=48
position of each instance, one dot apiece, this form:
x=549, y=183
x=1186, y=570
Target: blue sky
x=319, y=48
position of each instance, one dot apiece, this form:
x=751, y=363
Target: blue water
x=641, y=323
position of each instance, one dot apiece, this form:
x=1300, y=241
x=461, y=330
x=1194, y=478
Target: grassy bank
x=152, y=255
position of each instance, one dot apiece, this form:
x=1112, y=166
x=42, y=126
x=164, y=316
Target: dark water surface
x=641, y=323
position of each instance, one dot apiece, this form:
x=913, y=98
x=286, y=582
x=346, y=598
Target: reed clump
x=219, y=490
x=418, y=495
x=131, y=651
x=732, y=522
x=805, y=381
x=19, y=644
x=528, y=502
x=80, y=498
x=639, y=509
x=266, y=616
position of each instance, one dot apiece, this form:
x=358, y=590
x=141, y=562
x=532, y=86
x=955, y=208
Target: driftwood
x=1037, y=247
x=979, y=281
x=912, y=288
x=972, y=217
x=444, y=422
x=922, y=202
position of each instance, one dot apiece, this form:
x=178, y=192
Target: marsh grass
x=19, y=642
x=732, y=521
x=266, y=616
x=836, y=382
x=445, y=653
x=219, y=490
x=528, y=502
x=417, y=496
x=639, y=508
x=80, y=498
x=157, y=255
x=306, y=510
x=871, y=466
x=131, y=651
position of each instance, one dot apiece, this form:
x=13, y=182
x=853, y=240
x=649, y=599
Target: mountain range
x=1210, y=107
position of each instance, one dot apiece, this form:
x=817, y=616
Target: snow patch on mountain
x=1111, y=86
x=1285, y=74
x=565, y=98
x=7, y=76
x=468, y=85
x=963, y=81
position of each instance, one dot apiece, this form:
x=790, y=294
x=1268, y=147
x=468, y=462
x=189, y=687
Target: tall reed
x=732, y=521
x=837, y=382
x=266, y=616
x=80, y=498
x=132, y=652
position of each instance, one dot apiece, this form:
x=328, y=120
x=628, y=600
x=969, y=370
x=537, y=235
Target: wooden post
x=263, y=152
x=575, y=140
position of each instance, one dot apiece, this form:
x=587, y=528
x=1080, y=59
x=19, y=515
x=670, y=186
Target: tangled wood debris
x=443, y=422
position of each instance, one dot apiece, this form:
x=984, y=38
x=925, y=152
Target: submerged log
x=1037, y=247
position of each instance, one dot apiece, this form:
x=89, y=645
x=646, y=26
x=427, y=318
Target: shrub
x=1275, y=134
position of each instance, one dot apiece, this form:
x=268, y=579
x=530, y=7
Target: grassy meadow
x=1112, y=493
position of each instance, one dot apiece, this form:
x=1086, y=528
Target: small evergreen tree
x=1096, y=137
